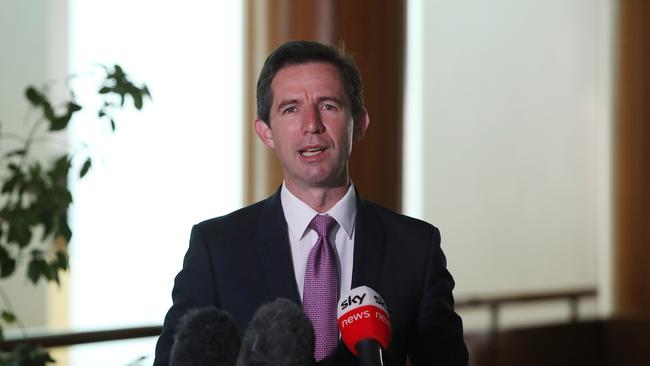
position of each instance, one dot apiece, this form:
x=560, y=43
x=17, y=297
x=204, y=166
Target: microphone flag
x=362, y=315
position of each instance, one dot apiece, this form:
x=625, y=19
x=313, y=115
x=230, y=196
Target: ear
x=264, y=133
x=361, y=122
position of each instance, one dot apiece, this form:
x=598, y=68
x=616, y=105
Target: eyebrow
x=330, y=98
x=286, y=103
x=318, y=100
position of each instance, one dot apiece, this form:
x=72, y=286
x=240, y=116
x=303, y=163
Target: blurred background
x=519, y=128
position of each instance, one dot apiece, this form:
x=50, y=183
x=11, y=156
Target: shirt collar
x=298, y=214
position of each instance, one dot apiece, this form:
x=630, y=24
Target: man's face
x=311, y=126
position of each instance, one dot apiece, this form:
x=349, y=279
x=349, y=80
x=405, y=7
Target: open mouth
x=312, y=151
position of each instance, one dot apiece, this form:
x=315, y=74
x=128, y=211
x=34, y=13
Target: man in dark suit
x=310, y=112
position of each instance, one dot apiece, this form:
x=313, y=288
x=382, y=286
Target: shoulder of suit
x=391, y=219
x=240, y=218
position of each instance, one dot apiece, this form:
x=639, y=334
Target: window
x=177, y=162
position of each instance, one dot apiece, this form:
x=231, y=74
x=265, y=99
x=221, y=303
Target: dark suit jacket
x=239, y=261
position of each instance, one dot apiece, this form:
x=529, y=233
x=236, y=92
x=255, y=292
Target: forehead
x=313, y=77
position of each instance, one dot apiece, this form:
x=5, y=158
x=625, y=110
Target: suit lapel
x=369, y=244
x=274, y=251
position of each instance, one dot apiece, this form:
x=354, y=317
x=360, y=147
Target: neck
x=320, y=199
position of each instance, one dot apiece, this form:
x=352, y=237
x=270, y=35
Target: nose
x=312, y=122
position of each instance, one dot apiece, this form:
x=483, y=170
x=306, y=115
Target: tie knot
x=322, y=224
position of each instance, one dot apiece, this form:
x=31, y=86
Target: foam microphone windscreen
x=363, y=316
x=206, y=336
x=280, y=334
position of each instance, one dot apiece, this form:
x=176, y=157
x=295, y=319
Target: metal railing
x=493, y=303
x=74, y=338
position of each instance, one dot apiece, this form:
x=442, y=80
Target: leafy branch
x=34, y=197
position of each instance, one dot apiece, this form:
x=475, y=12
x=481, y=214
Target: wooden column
x=373, y=32
x=632, y=162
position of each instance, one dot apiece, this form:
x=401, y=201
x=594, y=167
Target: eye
x=289, y=110
x=329, y=107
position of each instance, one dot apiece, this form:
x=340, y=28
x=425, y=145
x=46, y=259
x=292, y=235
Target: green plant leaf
x=48, y=111
x=9, y=184
x=37, y=253
x=37, y=267
x=58, y=124
x=73, y=107
x=8, y=317
x=7, y=263
x=85, y=168
x=29, y=355
x=137, y=99
x=60, y=168
x=20, y=231
x=62, y=260
x=64, y=230
x=34, y=96
x=61, y=122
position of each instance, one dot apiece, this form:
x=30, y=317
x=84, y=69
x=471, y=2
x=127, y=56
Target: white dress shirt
x=298, y=215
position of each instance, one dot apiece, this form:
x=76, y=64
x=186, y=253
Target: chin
x=321, y=178
x=328, y=181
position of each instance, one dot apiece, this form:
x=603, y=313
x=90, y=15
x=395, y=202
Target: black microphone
x=280, y=334
x=206, y=336
x=364, y=325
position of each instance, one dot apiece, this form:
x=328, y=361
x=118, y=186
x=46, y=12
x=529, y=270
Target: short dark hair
x=300, y=52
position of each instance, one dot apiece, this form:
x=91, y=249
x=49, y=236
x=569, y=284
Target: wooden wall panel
x=374, y=32
x=632, y=162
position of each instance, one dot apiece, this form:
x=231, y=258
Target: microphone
x=364, y=325
x=279, y=334
x=206, y=336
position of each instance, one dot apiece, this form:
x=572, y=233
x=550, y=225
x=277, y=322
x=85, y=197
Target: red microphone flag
x=362, y=315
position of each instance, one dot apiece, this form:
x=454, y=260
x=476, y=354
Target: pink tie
x=321, y=290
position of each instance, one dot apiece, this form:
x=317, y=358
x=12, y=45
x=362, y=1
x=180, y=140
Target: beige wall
x=33, y=44
x=515, y=143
